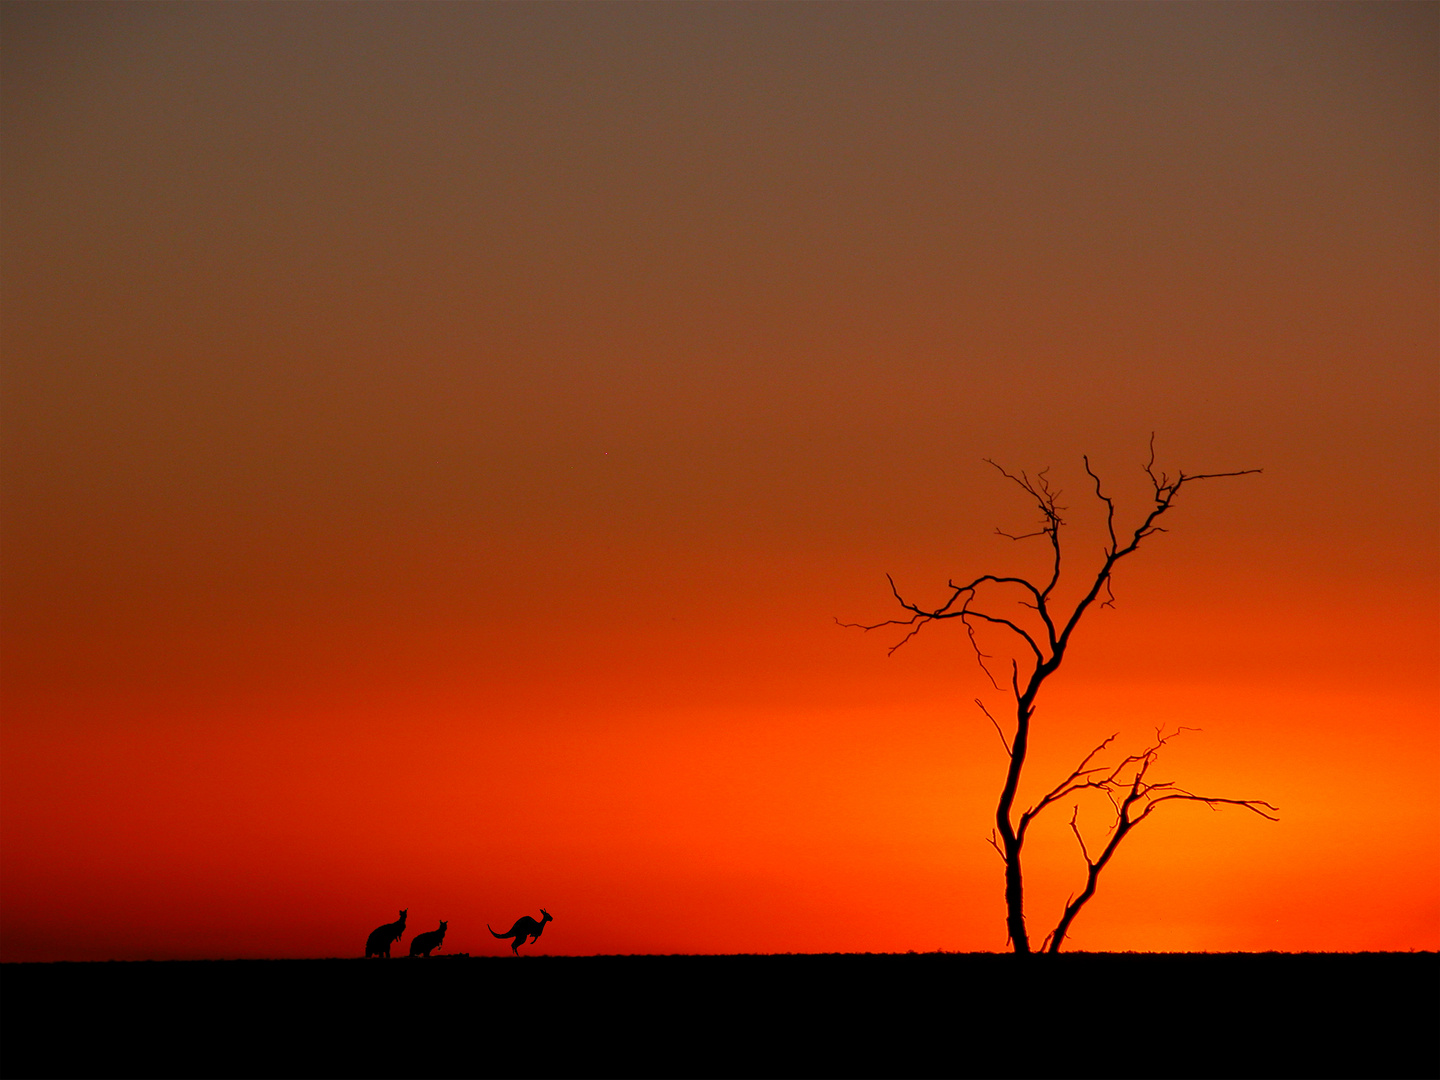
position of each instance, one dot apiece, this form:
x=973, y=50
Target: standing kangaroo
x=525, y=927
x=423, y=943
x=380, y=938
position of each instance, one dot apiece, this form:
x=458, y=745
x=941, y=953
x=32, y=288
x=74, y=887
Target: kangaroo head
x=403, y=913
x=443, y=924
x=548, y=917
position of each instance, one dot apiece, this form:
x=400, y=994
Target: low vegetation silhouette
x=525, y=927
x=424, y=944
x=378, y=944
x=1026, y=616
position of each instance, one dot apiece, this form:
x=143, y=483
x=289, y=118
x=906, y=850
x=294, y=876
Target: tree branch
x=1072, y=783
x=1003, y=741
x=1046, y=500
x=1128, y=790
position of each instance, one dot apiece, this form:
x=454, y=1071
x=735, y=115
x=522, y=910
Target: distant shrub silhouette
x=424, y=943
x=525, y=927
x=378, y=944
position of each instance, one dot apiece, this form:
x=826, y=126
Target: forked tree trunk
x=1046, y=644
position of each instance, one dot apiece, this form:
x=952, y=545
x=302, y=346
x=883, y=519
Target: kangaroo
x=423, y=943
x=381, y=937
x=525, y=927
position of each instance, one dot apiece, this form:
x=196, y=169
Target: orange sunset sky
x=438, y=441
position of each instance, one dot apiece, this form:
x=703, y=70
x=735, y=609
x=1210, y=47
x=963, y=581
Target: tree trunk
x=1014, y=878
x=1015, y=900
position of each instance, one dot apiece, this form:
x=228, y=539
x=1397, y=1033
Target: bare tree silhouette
x=1041, y=643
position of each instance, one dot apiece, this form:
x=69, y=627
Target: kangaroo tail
x=487, y=927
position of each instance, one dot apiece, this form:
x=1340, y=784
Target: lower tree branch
x=1134, y=798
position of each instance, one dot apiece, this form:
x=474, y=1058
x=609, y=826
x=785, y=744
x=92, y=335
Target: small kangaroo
x=423, y=943
x=380, y=938
x=525, y=927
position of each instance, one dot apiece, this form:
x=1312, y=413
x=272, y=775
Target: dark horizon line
x=735, y=955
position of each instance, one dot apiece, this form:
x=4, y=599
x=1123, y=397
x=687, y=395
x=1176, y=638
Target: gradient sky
x=438, y=440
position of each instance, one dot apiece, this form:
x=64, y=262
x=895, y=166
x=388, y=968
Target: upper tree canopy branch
x=1045, y=499
x=921, y=616
x=1165, y=491
x=1109, y=502
x=1048, y=649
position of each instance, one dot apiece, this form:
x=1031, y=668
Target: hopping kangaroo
x=423, y=943
x=380, y=938
x=525, y=927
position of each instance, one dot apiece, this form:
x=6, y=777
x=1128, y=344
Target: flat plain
x=932, y=1014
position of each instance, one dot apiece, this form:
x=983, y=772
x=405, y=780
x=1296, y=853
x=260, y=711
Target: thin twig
x=998, y=731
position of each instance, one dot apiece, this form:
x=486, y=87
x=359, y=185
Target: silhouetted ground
x=1201, y=1015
